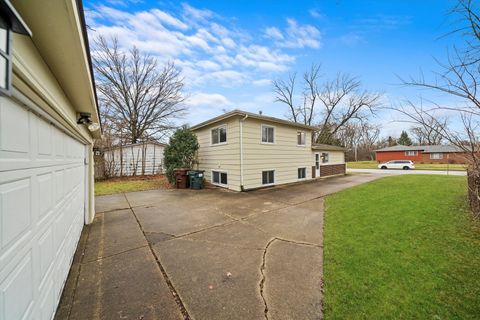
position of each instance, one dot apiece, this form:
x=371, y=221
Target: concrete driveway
x=208, y=254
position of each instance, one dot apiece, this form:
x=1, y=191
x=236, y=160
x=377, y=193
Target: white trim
x=304, y=138
x=219, y=184
x=415, y=153
x=261, y=177
x=304, y=178
x=261, y=133
x=226, y=134
x=317, y=170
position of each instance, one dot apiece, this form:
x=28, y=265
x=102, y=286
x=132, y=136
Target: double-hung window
x=300, y=138
x=219, y=135
x=302, y=173
x=411, y=153
x=268, y=134
x=268, y=177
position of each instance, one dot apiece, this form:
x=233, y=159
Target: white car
x=397, y=164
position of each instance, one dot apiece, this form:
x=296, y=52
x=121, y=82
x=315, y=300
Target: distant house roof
x=424, y=149
x=319, y=146
x=237, y=112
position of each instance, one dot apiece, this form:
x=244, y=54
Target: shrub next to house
x=181, y=151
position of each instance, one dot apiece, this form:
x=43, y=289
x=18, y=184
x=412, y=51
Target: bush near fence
x=473, y=191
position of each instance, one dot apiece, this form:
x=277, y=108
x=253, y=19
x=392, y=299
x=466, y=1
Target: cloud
x=352, y=39
x=315, y=13
x=208, y=48
x=295, y=35
x=274, y=33
x=201, y=99
x=263, y=58
x=262, y=82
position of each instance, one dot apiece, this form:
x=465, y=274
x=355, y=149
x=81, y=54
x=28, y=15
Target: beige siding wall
x=334, y=157
x=283, y=156
x=223, y=157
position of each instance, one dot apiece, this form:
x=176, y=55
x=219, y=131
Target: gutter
x=241, y=151
x=83, y=25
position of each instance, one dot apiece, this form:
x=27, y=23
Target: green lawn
x=402, y=247
x=420, y=166
x=129, y=184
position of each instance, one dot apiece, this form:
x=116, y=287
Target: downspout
x=241, y=151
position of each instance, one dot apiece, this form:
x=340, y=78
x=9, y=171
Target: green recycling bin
x=196, y=179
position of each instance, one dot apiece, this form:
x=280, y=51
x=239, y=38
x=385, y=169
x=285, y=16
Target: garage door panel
x=17, y=290
x=46, y=251
x=42, y=199
x=45, y=194
x=14, y=129
x=44, y=137
x=15, y=214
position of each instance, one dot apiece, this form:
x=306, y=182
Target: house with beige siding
x=242, y=151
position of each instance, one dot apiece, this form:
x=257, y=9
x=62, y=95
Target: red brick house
x=422, y=154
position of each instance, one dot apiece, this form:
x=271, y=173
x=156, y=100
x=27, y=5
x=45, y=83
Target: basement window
x=268, y=177
x=219, y=178
x=302, y=173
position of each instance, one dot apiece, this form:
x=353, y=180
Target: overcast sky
x=230, y=51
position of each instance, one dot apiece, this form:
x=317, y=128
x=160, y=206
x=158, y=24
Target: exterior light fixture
x=10, y=21
x=86, y=119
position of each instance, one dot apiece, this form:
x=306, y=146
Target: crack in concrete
x=262, y=281
x=264, y=262
x=174, y=292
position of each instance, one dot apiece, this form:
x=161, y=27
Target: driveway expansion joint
x=174, y=292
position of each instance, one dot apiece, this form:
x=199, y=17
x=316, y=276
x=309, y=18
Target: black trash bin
x=195, y=178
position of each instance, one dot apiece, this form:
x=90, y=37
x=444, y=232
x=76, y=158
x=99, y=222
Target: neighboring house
x=422, y=154
x=46, y=167
x=144, y=158
x=241, y=151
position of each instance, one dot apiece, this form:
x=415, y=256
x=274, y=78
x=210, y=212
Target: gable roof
x=425, y=149
x=241, y=113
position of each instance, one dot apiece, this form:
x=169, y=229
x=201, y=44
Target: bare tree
x=360, y=139
x=138, y=98
x=329, y=105
x=429, y=133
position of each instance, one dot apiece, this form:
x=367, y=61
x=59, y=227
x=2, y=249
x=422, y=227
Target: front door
x=317, y=164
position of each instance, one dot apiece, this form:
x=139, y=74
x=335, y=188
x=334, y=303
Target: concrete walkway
x=209, y=254
x=414, y=171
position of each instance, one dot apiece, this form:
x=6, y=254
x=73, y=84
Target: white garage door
x=42, y=178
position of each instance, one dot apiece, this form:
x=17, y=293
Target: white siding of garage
x=135, y=159
x=42, y=201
